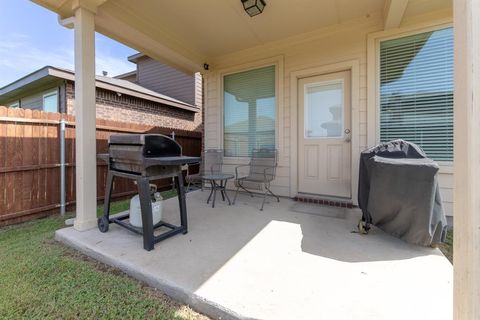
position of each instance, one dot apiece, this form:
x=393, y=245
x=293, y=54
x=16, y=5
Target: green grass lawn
x=447, y=247
x=41, y=279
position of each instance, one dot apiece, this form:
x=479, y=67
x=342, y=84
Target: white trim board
x=278, y=62
x=373, y=52
x=373, y=69
x=354, y=67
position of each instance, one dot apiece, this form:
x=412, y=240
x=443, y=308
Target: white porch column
x=86, y=179
x=466, y=258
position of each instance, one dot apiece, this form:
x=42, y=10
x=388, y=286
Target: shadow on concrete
x=216, y=235
x=219, y=234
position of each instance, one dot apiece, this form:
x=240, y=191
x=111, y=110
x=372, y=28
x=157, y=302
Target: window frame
x=409, y=123
x=15, y=104
x=49, y=94
x=373, y=72
x=277, y=62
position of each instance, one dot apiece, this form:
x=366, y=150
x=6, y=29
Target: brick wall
x=124, y=108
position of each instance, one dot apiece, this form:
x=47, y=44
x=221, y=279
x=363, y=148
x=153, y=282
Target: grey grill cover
x=398, y=192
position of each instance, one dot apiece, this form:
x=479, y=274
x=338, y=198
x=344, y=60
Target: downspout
x=173, y=179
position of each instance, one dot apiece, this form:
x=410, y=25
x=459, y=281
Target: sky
x=31, y=38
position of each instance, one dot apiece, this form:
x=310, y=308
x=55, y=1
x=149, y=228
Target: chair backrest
x=212, y=161
x=264, y=163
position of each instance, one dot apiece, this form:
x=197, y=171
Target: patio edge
x=191, y=299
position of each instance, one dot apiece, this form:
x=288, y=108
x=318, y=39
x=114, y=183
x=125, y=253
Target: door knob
x=348, y=136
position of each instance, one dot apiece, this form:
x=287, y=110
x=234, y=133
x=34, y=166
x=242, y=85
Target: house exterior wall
x=34, y=100
x=162, y=78
x=124, y=108
x=324, y=51
x=198, y=90
x=431, y=22
x=130, y=77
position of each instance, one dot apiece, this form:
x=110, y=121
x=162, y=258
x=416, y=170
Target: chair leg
x=222, y=189
x=211, y=192
x=273, y=194
x=251, y=194
x=264, y=198
x=214, y=186
x=235, y=197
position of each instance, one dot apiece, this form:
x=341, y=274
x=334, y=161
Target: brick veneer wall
x=124, y=108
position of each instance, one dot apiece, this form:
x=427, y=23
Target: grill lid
x=149, y=145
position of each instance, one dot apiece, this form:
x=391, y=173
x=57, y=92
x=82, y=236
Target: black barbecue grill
x=143, y=158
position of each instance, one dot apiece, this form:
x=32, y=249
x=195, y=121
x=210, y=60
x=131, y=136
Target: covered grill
x=399, y=193
x=143, y=158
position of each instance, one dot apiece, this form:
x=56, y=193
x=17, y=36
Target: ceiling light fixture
x=253, y=7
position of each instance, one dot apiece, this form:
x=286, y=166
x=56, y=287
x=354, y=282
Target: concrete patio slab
x=287, y=262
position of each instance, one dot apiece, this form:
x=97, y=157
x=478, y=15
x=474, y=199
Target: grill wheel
x=103, y=224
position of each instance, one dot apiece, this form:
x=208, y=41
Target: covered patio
x=252, y=263
x=291, y=261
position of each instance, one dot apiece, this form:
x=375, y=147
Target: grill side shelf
x=170, y=161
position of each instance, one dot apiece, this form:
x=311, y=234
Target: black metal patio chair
x=261, y=172
x=212, y=162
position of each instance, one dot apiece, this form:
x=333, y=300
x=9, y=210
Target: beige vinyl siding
x=166, y=80
x=328, y=46
x=331, y=45
x=198, y=89
x=445, y=179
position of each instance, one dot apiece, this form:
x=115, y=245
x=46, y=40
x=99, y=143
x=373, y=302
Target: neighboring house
x=172, y=82
x=129, y=76
x=52, y=89
x=238, y=135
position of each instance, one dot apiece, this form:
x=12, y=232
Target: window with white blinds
x=416, y=91
x=249, y=111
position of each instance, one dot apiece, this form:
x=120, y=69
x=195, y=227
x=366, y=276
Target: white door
x=324, y=135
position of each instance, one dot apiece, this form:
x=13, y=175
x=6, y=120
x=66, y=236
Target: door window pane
x=324, y=110
x=249, y=111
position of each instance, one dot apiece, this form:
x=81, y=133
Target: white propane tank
x=136, y=212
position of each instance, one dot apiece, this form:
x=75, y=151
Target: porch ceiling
x=200, y=30
x=213, y=27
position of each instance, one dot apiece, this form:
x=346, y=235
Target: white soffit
x=186, y=33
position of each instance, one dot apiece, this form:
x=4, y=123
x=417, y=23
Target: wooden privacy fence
x=30, y=161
